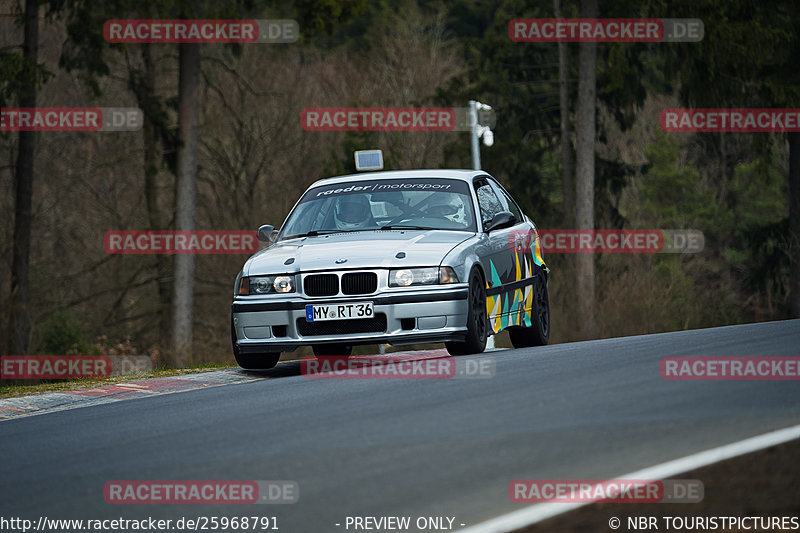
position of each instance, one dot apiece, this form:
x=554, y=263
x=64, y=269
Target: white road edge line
x=534, y=514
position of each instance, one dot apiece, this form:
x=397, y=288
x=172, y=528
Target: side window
x=507, y=202
x=487, y=200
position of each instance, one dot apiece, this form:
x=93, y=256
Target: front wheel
x=538, y=333
x=477, y=325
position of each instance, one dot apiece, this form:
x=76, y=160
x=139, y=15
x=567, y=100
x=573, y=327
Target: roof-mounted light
x=369, y=160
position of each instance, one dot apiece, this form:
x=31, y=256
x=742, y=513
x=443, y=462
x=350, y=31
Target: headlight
x=283, y=284
x=406, y=277
x=266, y=285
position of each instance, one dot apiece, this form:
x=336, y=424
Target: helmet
x=448, y=205
x=353, y=212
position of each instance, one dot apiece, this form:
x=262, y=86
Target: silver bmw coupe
x=398, y=257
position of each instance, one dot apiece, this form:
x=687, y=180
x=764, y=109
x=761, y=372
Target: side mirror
x=267, y=233
x=503, y=219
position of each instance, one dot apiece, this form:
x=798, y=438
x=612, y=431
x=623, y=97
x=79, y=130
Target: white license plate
x=345, y=311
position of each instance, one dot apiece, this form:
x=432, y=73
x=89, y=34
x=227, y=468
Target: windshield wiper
x=314, y=233
x=400, y=226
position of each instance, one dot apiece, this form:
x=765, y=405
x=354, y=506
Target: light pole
x=477, y=131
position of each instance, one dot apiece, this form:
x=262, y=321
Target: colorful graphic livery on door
x=511, y=285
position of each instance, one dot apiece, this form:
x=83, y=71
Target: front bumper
x=278, y=324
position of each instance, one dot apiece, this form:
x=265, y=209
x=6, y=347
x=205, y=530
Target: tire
x=332, y=349
x=538, y=333
x=477, y=323
x=253, y=361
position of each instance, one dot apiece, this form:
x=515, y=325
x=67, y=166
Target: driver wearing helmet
x=353, y=212
x=449, y=206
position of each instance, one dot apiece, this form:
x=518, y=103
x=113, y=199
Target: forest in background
x=254, y=159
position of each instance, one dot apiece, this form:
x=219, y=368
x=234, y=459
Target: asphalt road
x=417, y=448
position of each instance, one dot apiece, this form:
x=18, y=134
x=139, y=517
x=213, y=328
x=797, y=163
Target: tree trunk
x=155, y=215
x=185, y=194
x=794, y=222
x=584, y=208
x=567, y=167
x=19, y=321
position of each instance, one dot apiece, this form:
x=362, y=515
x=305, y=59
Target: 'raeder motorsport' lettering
x=387, y=187
x=399, y=185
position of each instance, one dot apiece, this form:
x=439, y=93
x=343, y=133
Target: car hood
x=369, y=249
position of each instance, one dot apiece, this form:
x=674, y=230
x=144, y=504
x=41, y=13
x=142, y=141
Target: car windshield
x=414, y=203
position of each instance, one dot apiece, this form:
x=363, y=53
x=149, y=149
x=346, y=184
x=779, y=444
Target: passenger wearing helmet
x=353, y=212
